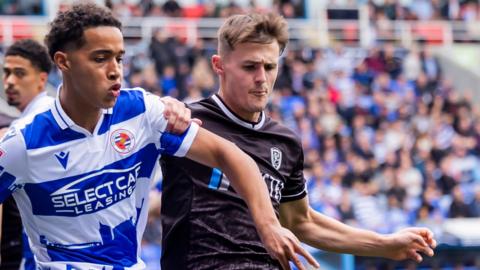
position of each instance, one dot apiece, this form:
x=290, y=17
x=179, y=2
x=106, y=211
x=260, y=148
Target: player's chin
x=109, y=103
x=262, y=103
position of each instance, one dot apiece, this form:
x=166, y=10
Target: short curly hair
x=68, y=26
x=35, y=52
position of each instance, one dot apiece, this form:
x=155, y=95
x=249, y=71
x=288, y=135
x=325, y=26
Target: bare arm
x=214, y=151
x=329, y=234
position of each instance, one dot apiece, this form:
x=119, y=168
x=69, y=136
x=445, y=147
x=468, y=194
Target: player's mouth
x=114, y=90
x=259, y=93
x=11, y=93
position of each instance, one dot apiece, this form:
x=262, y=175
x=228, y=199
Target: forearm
x=329, y=234
x=248, y=182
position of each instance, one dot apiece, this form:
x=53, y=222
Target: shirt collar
x=31, y=105
x=237, y=119
x=62, y=119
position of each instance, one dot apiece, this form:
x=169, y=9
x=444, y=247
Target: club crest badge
x=122, y=141
x=276, y=156
x=2, y=152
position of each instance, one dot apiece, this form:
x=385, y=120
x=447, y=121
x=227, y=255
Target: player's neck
x=244, y=115
x=82, y=114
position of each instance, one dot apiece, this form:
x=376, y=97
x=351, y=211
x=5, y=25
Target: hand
x=408, y=243
x=177, y=115
x=283, y=246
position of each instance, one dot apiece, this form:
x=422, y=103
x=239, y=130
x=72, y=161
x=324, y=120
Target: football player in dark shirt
x=205, y=223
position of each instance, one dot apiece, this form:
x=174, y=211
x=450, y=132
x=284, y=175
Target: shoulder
x=202, y=105
x=132, y=94
x=206, y=110
x=280, y=129
x=130, y=103
x=12, y=143
x=43, y=123
x=44, y=103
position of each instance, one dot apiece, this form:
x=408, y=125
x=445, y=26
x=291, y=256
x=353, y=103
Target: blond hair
x=256, y=28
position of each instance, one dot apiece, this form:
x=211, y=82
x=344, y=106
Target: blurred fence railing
x=317, y=32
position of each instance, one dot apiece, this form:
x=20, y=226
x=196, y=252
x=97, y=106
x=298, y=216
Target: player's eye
x=99, y=59
x=270, y=67
x=19, y=73
x=249, y=67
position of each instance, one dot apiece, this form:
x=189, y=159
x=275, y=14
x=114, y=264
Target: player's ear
x=217, y=64
x=43, y=79
x=61, y=60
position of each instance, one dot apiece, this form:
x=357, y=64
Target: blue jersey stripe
x=130, y=103
x=6, y=181
x=215, y=178
x=44, y=131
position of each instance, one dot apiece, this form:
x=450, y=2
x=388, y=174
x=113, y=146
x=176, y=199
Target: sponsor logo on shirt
x=62, y=157
x=87, y=194
x=117, y=185
x=2, y=152
x=274, y=185
x=122, y=141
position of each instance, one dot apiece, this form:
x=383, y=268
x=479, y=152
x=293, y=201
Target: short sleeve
x=154, y=109
x=178, y=145
x=12, y=163
x=295, y=188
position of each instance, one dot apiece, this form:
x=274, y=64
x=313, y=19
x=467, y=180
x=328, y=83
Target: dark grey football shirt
x=206, y=225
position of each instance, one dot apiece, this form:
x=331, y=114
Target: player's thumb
x=197, y=121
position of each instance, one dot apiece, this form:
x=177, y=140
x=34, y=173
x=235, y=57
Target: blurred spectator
x=458, y=208
x=475, y=204
x=162, y=50
x=171, y=8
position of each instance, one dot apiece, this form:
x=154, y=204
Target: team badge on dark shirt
x=276, y=156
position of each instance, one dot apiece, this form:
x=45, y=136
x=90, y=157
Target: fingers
x=197, y=121
x=300, y=250
x=284, y=263
x=419, y=240
x=425, y=239
x=429, y=237
x=178, y=116
x=291, y=255
x=285, y=254
x=424, y=244
x=296, y=261
x=433, y=243
x=412, y=254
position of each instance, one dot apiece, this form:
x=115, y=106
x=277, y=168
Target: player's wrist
x=384, y=243
x=265, y=225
